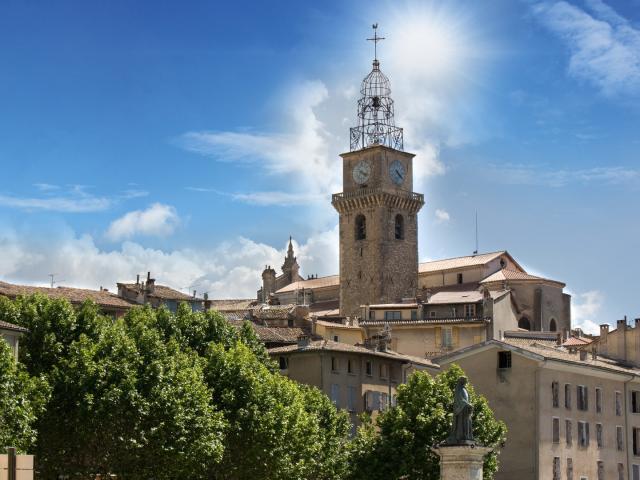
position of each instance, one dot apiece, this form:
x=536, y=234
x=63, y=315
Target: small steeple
x=290, y=268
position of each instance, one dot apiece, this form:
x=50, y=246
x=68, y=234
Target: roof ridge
x=464, y=256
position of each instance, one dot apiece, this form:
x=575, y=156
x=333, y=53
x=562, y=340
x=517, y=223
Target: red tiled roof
x=321, y=282
x=506, y=274
x=102, y=298
x=459, y=262
x=163, y=292
x=11, y=326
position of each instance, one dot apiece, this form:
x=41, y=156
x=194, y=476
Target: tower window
x=524, y=323
x=552, y=325
x=361, y=227
x=460, y=280
x=399, y=227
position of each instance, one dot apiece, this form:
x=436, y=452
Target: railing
x=363, y=192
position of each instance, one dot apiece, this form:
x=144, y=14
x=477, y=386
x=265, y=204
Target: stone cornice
x=363, y=198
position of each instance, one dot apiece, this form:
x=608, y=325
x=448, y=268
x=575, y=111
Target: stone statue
x=462, y=428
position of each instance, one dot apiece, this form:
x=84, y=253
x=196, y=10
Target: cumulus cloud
x=442, y=215
x=231, y=269
x=604, y=46
x=157, y=220
x=585, y=309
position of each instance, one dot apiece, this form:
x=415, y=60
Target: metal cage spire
x=375, y=110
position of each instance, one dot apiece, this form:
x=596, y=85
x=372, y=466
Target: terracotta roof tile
x=459, y=262
x=11, y=326
x=331, y=346
x=164, y=292
x=74, y=295
x=232, y=304
x=321, y=282
x=507, y=274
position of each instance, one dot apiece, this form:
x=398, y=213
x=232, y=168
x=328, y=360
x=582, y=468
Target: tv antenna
x=475, y=252
x=52, y=277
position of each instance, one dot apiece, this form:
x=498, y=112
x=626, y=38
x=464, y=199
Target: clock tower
x=377, y=207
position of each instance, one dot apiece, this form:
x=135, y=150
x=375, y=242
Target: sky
x=190, y=139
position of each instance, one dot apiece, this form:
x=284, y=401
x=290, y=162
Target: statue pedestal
x=461, y=462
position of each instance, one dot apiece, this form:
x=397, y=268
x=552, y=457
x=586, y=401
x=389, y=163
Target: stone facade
x=622, y=344
x=378, y=260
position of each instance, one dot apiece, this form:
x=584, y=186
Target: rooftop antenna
x=52, y=275
x=475, y=252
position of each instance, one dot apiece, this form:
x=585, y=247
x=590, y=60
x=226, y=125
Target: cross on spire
x=375, y=40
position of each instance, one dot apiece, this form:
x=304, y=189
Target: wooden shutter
x=438, y=336
x=455, y=336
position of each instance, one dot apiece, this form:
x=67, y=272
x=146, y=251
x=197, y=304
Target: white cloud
x=604, y=46
x=541, y=175
x=80, y=204
x=230, y=270
x=157, y=220
x=278, y=198
x=585, y=309
x=442, y=216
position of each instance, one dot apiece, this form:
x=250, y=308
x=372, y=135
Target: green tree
x=22, y=399
x=275, y=428
x=400, y=447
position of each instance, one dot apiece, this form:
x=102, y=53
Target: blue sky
x=192, y=139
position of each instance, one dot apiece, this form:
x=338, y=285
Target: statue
x=462, y=428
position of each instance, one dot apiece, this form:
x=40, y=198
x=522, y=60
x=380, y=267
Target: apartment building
x=570, y=414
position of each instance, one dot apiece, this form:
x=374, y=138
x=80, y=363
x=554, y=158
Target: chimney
x=565, y=335
x=148, y=276
x=622, y=324
x=303, y=341
x=604, y=329
x=583, y=355
x=194, y=294
x=151, y=283
x=559, y=339
x=138, y=279
x=206, y=296
x=637, y=321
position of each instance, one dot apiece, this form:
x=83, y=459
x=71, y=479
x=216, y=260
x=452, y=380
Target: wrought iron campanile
x=375, y=109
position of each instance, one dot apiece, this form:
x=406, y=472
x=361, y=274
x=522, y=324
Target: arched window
x=524, y=323
x=399, y=227
x=552, y=325
x=361, y=227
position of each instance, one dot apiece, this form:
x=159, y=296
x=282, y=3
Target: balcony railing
x=363, y=192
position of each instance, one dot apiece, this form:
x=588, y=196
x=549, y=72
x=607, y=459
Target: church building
x=429, y=308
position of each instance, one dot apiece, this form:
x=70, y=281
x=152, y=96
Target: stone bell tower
x=377, y=207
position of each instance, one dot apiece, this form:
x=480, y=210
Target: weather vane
x=375, y=40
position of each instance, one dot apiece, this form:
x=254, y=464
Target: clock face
x=361, y=172
x=397, y=172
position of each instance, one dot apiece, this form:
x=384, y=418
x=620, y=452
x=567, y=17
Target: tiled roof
x=232, y=304
x=321, y=282
x=162, y=291
x=284, y=335
x=425, y=321
x=507, y=274
x=459, y=262
x=337, y=325
x=324, y=305
x=455, y=296
x=74, y=295
x=331, y=346
x=576, y=342
x=543, y=350
x=273, y=312
x=11, y=326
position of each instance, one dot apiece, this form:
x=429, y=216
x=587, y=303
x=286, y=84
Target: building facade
x=569, y=415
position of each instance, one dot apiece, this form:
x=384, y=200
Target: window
x=399, y=230
x=636, y=441
x=334, y=364
x=569, y=469
x=368, y=368
x=393, y=315
x=555, y=425
x=556, y=468
x=600, y=470
x=583, y=434
x=284, y=363
x=372, y=401
x=552, y=325
x=349, y=366
x=598, y=400
x=384, y=370
x=335, y=393
x=447, y=337
x=432, y=314
x=470, y=310
x=599, y=434
x=372, y=315
x=555, y=394
x=361, y=227
x=524, y=323
x=460, y=278
x=568, y=432
x=619, y=438
x=635, y=401
x=454, y=312
x=636, y=472
x=582, y=397
x=384, y=401
x=567, y=396
x=618, y=404
x=504, y=360
x=414, y=315
x=351, y=398
x=336, y=338
x=620, y=471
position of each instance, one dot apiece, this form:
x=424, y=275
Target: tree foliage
x=400, y=446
